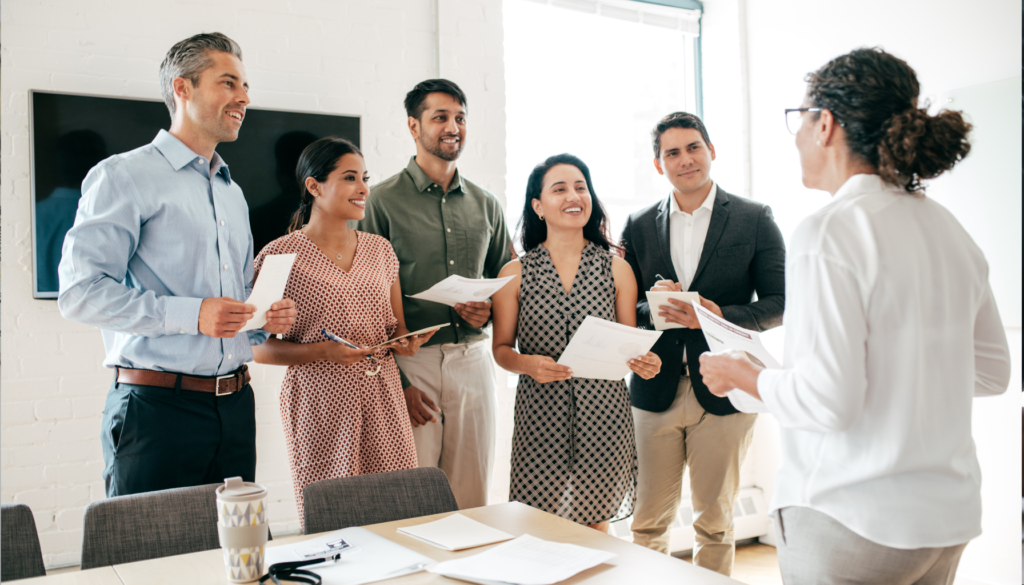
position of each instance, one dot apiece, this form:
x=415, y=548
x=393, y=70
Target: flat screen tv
x=71, y=133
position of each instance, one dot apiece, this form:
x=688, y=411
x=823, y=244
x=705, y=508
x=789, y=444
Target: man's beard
x=436, y=150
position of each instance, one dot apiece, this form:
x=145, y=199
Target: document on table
x=656, y=298
x=459, y=289
x=722, y=335
x=600, y=349
x=524, y=561
x=456, y=532
x=370, y=558
x=269, y=287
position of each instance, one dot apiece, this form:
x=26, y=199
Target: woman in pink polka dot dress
x=344, y=413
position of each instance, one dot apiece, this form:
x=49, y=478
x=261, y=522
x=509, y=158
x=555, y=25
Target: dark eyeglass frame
x=788, y=110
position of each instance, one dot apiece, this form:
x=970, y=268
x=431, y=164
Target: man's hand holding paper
x=675, y=310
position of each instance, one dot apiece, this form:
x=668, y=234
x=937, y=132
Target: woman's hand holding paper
x=646, y=366
x=543, y=369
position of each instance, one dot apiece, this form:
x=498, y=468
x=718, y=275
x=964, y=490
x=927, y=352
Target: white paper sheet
x=269, y=287
x=524, y=561
x=459, y=289
x=373, y=557
x=722, y=335
x=456, y=532
x=656, y=298
x=419, y=332
x=600, y=349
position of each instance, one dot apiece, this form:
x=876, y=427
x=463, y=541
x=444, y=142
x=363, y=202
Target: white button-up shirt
x=687, y=234
x=891, y=330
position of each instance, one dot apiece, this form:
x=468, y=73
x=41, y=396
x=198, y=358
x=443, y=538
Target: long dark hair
x=532, y=230
x=318, y=160
x=873, y=95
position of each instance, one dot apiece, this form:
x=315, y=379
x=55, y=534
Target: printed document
x=524, y=561
x=367, y=558
x=456, y=532
x=459, y=289
x=600, y=349
x=722, y=335
x=269, y=287
x=656, y=298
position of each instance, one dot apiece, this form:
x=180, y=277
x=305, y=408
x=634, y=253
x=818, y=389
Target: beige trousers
x=815, y=549
x=714, y=447
x=459, y=378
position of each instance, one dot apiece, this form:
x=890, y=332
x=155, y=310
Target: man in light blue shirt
x=160, y=258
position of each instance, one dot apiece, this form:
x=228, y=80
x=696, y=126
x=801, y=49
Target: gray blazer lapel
x=664, y=239
x=719, y=215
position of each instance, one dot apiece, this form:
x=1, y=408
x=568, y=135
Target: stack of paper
x=722, y=335
x=456, y=532
x=269, y=287
x=601, y=349
x=458, y=289
x=657, y=298
x=371, y=557
x=524, y=561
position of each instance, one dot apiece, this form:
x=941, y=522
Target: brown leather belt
x=219, y=385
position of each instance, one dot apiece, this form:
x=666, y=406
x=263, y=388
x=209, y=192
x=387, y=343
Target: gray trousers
x=816, y=549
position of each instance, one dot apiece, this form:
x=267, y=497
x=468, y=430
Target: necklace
x=337, y=255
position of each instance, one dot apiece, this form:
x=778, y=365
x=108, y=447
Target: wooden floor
x=756, y=564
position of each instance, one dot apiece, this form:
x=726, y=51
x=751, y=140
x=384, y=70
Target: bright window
x=592, y=77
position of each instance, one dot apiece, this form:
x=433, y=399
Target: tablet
x=420, y=332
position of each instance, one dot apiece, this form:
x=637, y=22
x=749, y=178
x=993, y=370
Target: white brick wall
x=344, y=57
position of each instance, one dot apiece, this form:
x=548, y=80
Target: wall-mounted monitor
x=71, y=133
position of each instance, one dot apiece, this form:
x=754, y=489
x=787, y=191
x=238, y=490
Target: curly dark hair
x=873, y=95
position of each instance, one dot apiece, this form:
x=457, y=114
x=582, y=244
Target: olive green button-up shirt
x=436, y=235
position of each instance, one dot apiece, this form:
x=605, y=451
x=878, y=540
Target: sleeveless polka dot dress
x=573, y=449
x=338, y=421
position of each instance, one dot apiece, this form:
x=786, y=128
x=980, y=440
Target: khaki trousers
x=816, y=549
x=714, y=447
x=459, y=378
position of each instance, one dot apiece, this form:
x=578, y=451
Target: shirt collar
x=180, y=156
x=708, y=204
x=858, y=184
x=423, y=182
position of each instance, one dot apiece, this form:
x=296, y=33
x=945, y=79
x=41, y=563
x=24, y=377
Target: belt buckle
x=216, y=388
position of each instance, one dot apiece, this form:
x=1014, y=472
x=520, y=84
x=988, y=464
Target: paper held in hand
x=458, y=289
x=722, y=335
x=524, y=561
x=601, y=349
x=420, y=332
x=456, y=532
x=269, y=287
x=656, y=298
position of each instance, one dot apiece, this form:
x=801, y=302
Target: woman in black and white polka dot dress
x=573, y=449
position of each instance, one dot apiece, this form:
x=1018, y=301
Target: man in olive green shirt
x=441, y=224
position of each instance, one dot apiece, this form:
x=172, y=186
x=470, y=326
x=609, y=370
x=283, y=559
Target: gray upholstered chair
x=20, y=556
x=126, y=529
x=332, y=504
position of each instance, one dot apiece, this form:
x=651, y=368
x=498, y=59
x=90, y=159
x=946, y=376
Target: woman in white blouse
x=891, y=330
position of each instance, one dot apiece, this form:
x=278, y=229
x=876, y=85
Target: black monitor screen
x=71, y=133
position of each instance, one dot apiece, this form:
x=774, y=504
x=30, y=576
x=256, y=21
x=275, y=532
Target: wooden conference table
x=632, y=563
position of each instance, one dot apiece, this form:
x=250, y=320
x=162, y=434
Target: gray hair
x=189, y=58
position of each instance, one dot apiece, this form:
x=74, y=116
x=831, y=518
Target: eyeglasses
x=795, y=118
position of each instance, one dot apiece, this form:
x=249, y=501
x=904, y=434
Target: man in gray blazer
x=725, y=248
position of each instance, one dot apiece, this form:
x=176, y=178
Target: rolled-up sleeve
x=94, y=264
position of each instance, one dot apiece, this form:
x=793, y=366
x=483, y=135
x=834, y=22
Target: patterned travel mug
x=243, y=528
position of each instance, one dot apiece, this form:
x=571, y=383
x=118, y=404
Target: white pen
x=337, y=339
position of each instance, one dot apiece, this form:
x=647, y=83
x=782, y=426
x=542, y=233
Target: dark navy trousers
x=160, y=438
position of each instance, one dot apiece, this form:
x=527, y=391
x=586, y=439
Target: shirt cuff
x=258, y=336
x=182, y=315
x=767, y=381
